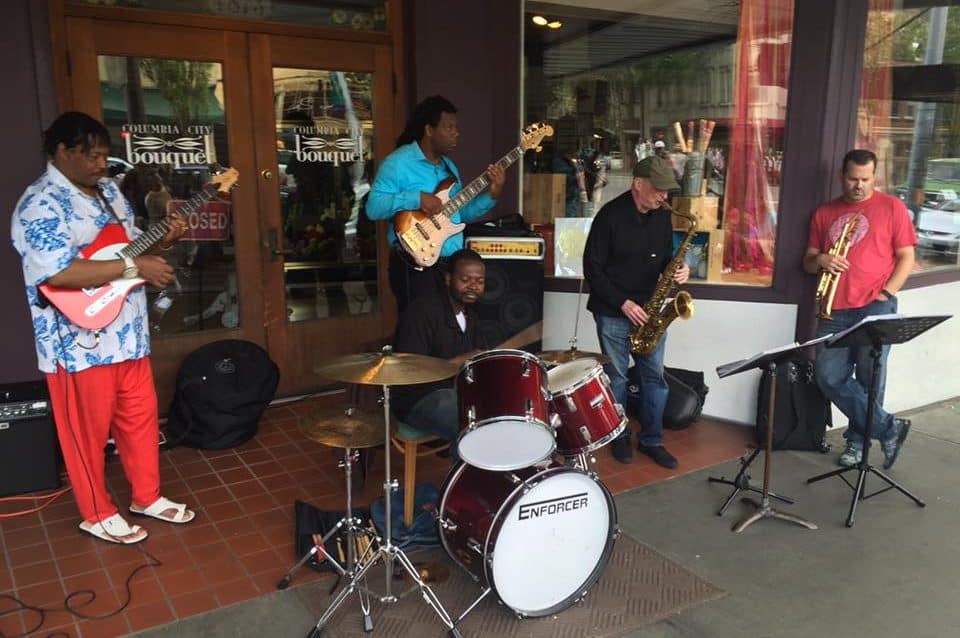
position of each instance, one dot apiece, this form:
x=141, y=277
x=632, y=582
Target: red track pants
x=88, y=406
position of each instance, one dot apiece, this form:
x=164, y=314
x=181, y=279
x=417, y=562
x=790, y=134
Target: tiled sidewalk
x=241, y=543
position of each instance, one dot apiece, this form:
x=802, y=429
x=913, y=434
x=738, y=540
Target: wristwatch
x=130, y=269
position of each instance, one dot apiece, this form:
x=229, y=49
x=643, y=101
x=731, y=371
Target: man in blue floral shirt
x=100, y=381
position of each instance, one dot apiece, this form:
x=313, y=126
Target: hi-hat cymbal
x=572, y=354
x=386, y=368
x=344, y=427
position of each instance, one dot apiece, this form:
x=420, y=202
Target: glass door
x=176, y=103
x=320, y=110
x=285, y=259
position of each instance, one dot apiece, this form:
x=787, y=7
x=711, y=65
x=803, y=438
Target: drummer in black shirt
x=442, y=326
x=630, y=244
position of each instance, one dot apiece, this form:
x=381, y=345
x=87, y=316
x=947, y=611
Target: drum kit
x=534, y=529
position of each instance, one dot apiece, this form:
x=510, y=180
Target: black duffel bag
x=222, y=390
x=684, y=402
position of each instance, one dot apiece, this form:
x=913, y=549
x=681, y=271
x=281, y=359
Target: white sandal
x=160, y=506
x=114, y=529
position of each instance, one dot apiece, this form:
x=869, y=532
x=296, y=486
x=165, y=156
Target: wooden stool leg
x=409, y=479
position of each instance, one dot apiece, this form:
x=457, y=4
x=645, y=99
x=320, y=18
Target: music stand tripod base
x=875, y=332
x=768, y=362
x=741, y=482
x=763, y=506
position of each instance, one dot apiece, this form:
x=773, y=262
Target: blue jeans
x=438, y=413
x=844, y=374
x=613, y=332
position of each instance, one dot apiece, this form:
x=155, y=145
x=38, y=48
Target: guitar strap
x=109, y=207
x=446, y=164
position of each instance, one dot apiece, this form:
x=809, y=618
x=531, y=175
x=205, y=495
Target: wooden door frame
x=92, y=38
x=343, y=335
x=234, y=32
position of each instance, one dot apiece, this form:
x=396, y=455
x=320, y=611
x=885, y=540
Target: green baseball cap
x=658, y=171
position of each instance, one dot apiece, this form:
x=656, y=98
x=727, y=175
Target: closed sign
x=210, y=223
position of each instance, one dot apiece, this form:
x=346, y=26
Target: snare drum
x=583, y=403
x=503, y=411
x=539, y=537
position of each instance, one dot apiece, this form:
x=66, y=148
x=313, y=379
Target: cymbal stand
x=576, y=320
x=353, y=528
x=388, y=552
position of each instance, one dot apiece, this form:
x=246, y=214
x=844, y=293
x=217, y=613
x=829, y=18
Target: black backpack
x=222, y=390
x=802, y=413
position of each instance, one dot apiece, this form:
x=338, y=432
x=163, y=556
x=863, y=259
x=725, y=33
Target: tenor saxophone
x=660, y=313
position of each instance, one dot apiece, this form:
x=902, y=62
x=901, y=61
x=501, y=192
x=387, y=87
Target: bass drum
x=539, y=537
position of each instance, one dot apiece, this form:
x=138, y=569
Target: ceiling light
x=556, y=24
x=540, y=21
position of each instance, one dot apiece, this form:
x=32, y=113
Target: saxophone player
x=879, y=258
x=629, y=246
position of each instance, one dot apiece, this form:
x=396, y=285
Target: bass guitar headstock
x=225, y=180
x=533, y=134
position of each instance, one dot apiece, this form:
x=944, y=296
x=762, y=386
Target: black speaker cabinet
x=29, y=456
x=513, y=299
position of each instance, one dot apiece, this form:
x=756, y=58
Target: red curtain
x=756, y=142
x=876, y=90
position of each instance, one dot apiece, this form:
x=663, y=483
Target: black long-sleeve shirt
x=429, y=327
x=625, y=253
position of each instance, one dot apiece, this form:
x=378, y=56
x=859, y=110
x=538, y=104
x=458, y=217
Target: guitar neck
x=478, y=185
x=156, y=232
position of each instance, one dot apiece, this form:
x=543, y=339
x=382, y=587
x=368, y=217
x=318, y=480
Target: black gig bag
x=802, y=412
x=222, y=390
x=684, y=401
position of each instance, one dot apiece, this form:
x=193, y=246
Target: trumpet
x=827, y=286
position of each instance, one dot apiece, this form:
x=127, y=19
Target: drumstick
x=526, y=336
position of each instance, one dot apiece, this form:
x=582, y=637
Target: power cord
x=69, y=604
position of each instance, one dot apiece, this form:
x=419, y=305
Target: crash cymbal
x=386, y=368
x=571, y=354
x=344, y=427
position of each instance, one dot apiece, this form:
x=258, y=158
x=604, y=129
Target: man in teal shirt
x=407, y=180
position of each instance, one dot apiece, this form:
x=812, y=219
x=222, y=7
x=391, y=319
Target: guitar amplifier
x=28, y=440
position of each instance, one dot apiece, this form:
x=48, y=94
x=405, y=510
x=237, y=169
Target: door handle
x=275, y=252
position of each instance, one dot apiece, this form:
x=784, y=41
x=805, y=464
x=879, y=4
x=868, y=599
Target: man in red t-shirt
x=880, y=259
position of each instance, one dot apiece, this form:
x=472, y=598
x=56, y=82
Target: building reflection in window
x=704, y=86
x=909, y=114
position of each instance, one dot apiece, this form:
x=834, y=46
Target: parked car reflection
x=938, y=227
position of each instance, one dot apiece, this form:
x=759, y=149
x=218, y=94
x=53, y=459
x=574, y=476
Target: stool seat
x=407, y=432
x=408, y=439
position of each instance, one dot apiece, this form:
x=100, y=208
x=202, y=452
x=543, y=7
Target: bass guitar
x=422, y=235
x=96, y=307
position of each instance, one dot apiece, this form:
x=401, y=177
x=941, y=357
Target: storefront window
x=909, y=115
x=169, y=153
x=358, y=15
x=704, y=86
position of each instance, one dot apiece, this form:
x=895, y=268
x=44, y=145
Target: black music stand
x=766, y=361
x=875, y=332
